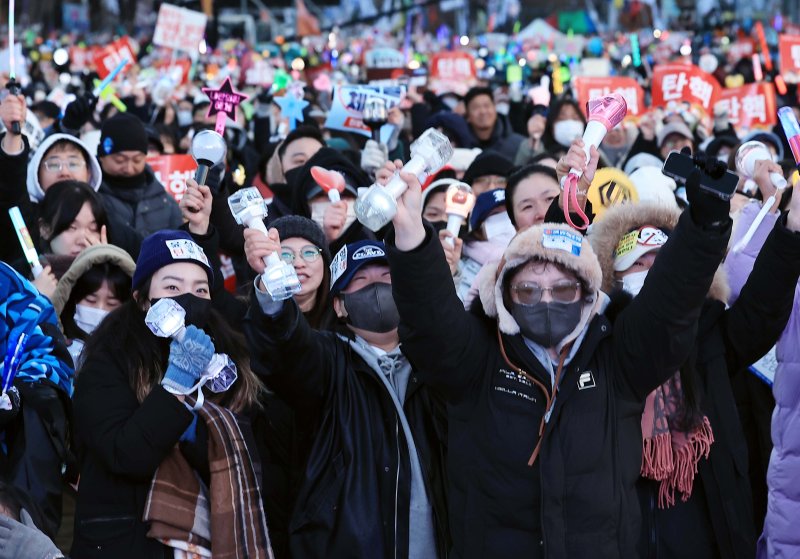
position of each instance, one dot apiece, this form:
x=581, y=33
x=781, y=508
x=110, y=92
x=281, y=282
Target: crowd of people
x=517, y=387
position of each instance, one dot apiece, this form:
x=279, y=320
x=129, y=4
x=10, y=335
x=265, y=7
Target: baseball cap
x=353, y=257
x=636, y=244
x=484, y=205
x=673, y=128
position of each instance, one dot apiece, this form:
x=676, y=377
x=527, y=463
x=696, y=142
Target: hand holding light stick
x=249, y=209
x=376, y=207
x=746, y=158
x=12, y=86
x=25, y=241
x=208, y=149
x=329, y=181
x=604, y=114
x=459, y=201
x=167, y=319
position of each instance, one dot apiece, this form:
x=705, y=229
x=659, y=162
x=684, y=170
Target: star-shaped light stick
x=223, y=104
x=292, y=104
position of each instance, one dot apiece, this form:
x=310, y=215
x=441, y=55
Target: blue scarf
x=23, y=310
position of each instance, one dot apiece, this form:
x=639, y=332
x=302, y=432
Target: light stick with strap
x=604, y=114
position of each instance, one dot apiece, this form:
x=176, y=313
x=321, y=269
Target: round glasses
x=309, y=253
x=55, y=165
x=530, y=293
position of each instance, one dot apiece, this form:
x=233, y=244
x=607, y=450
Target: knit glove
x=706, y=209
x=373, y=157
x=79, y=111
x=24, y=540
x=188, y=359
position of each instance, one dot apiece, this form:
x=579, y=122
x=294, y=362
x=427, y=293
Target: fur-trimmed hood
x=621, y=219
x=97, y=254
x=551, y=242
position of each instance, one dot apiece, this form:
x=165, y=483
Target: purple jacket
x=781, y=537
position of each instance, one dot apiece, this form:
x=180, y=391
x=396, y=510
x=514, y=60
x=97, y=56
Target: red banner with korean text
x=172, y=171
x=677, y=83
x=107, y=58
x=789, y=49
x=750, y=106
x=452, y=71
x=589, y=88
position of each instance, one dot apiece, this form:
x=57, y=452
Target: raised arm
x=447, y=344
x=655, y=333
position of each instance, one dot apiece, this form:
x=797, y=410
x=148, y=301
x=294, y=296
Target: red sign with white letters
x=107, y=58
x=631, y=91
x=173, y=171
x=751, y=106
x=684, y=82
x=789, y=49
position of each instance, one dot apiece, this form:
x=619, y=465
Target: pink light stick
x=329, y=181
x=604, y=114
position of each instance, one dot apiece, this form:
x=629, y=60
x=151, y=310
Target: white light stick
x=459, y=201
x=25, y=241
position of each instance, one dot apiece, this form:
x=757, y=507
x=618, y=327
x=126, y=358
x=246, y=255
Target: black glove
x=8, y=415
x=706, y=209
x=79, y=111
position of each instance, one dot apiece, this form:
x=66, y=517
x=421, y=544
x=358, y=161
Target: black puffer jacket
x=579, y=498
x=354, y=494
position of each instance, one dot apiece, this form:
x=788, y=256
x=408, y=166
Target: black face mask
x=126, y=183
x=372, y=308
x=197, y=309
x=547, y=324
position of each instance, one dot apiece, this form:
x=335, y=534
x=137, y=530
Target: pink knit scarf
x=670, y=455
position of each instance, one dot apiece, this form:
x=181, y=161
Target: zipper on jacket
x=396, y=480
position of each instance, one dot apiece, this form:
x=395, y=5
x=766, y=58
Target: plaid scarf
x=225, y=519
x=670, y=454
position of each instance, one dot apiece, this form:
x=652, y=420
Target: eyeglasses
x=490, y=181
x=55, y=165
x=531, y=293
x=309, y=253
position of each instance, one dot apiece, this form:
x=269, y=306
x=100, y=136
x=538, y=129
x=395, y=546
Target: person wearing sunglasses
x=544, y=393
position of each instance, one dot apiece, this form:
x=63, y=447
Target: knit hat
x=488, y=163
x=167, y=247
x=122, y=132
x=297, y=226
x=484, y=205
x=677, y=128
x=353, y=257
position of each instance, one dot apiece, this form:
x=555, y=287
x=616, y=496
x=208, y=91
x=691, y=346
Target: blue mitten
x=188, y=360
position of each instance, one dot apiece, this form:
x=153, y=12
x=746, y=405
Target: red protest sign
x=107, y=58
x=451, y=71
x=683, y=82
x=631, y=91
x=789, y=49
x=178, y=69
x=173, y=171
x=750, y=106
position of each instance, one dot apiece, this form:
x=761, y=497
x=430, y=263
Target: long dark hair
x=61, y=205
x=321, y=316
x=118, y=282
x=143, y=356
x=549, y=141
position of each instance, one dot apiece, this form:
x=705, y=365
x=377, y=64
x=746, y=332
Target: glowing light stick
x=792, y=130
x=109, y=78
x=459, y=201
x=249, y=209
x=604, y=114
x=636, y=53
x=329, y=181
x=13, y=86
x=758, y=74
x=25, y=241
x=762, y=39
x=223, y=104
x=378, y=205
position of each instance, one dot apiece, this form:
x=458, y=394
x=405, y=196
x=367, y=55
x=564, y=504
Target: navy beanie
x=168, y=247
x=122, y=132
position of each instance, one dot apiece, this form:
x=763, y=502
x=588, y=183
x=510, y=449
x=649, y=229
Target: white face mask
x=564, y=131
x=318, y=212
x=498, y=227
x=632, y=283
x=88, y=318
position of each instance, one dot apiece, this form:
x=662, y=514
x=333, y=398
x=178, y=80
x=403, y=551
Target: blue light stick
x=110, y=78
